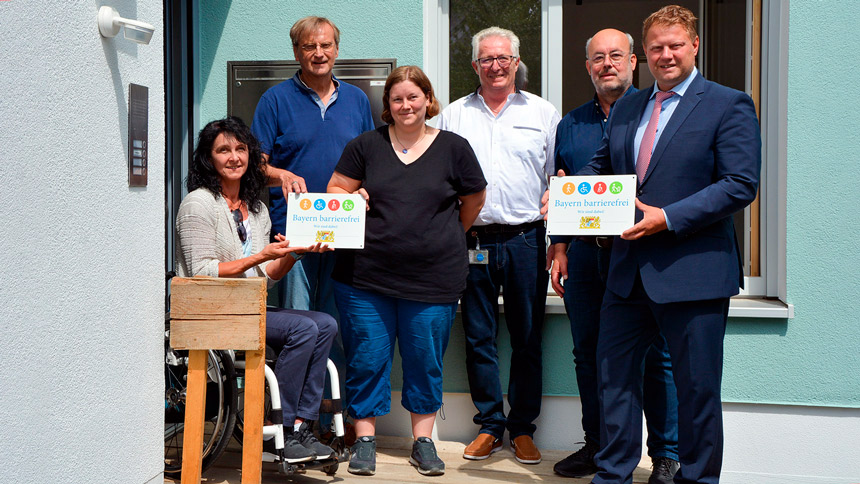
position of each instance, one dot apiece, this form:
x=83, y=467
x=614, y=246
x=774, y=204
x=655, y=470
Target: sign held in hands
x=591, y=205
x=326, y=218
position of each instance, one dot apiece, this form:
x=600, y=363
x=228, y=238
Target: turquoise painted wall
x=260, y=30
x=813, y=359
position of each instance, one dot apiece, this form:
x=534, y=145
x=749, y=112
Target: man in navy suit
x=610, y=63
x=697, y=157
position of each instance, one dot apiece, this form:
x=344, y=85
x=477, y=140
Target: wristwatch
x=296, y=256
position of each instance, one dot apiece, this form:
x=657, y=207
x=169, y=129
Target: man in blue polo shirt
x=580, y=267
x=303, y=125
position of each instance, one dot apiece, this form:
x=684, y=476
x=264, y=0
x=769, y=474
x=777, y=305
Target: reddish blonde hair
x=668, y=16
x=417, y=76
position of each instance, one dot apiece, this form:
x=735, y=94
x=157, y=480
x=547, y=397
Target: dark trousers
x=302, y=340
x=694, y=332
x=309, y=286
x=517, y=263
x=587, y=270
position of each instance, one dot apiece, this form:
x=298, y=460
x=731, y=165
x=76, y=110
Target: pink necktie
x=647, y=144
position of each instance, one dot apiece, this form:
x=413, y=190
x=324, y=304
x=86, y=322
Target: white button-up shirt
x=516, y=150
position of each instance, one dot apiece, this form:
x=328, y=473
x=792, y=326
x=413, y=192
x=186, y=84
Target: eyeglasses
x=614, y=57
x=240, y=228
x=503, y=60
x=325, y=47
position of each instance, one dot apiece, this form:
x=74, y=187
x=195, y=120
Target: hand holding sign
x=326, y=218
x=590, y=205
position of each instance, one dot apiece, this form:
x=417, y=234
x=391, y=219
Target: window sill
x=739, y=307
x=756, y=307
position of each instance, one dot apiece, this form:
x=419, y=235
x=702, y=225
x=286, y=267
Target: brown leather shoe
x=525, y=450
x=482, y=447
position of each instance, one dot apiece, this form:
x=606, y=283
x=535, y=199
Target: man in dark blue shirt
x=303, y=125
x=580, y=267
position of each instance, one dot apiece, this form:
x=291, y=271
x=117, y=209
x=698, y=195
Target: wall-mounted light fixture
x=110, y=22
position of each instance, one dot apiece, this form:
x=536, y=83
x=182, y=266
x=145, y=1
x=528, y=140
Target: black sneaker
x=425, y=459
x=294, y=451
x=664, y=470
x=580, y=463
x=362, y=456
x=306, y=436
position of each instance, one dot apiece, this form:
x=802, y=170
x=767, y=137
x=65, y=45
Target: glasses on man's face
x=240, y=228
x=615, y=58
x=325, y=47
x=503, y=60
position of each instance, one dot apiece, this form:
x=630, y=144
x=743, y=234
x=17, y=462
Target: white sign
x=328, y=218
x=591, y=205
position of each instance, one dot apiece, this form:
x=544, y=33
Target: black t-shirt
x=415, y=246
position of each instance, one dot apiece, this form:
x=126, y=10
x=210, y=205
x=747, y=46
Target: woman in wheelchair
x=223, y=229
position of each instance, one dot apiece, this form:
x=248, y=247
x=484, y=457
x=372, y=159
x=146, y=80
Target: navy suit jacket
x=704, y=168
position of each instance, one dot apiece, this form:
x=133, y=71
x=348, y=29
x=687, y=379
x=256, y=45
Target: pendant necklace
x=405, y=150
x=231, y=203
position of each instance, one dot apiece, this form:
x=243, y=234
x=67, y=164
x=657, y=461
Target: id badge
x=478, y=256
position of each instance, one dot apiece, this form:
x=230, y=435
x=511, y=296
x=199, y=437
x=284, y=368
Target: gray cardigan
x=207, y=235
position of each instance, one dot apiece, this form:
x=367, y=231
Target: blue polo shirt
x=306, y=137
x=577, y=138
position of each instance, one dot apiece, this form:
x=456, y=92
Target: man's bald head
x=610, y=63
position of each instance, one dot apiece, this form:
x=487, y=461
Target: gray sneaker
x=425, y=459
x=306, y=436
x=362, y=456
x=294, y=451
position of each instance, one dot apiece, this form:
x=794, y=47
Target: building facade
x=83, y=287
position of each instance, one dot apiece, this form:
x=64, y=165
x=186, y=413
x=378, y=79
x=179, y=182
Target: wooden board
x=216, y=295
x=218, y=313
x=218, y=333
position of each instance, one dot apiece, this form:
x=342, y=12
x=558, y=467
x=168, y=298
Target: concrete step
x=392, y=465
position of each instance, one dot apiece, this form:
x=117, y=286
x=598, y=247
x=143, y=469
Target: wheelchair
x=273, y=430
x=224, y=412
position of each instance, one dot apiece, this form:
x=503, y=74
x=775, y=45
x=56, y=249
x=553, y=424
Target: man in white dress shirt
x=513, y=135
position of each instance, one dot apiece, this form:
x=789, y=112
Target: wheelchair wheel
x=239, y=428
x=220, y=416
x=330, y=470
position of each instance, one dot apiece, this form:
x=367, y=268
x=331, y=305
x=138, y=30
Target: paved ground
x=393, y=466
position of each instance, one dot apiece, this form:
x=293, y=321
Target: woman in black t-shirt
x=424, y=189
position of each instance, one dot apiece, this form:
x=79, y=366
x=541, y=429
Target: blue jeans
x=302, y=340
x=308, y=285
x=517, y=262
x=587, y=268
x=370, y=324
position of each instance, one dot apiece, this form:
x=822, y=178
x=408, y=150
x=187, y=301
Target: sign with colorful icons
x=328, y=218
x=591, y=205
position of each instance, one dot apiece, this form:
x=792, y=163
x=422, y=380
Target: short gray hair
x=588, y=43
x=495, y=32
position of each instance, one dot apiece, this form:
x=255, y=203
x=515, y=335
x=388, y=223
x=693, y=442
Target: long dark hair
x=202, y=174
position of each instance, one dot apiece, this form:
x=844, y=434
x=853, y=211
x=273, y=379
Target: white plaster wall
x=82, y=276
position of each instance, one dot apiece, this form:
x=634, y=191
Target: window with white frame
x=744, y=45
